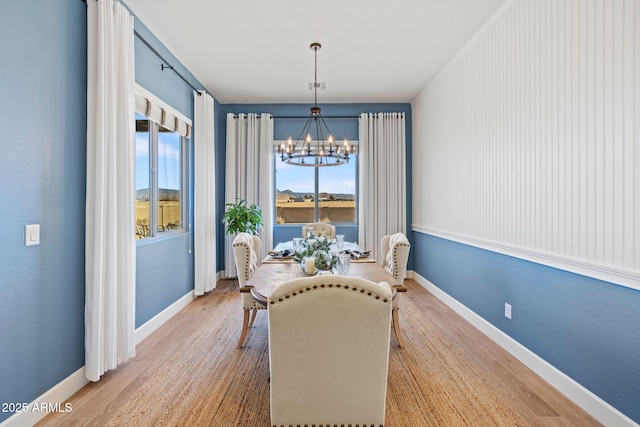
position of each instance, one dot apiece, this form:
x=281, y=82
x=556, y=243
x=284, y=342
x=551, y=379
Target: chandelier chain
x=315, y=76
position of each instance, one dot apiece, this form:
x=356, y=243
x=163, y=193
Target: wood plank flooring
x=424, y=320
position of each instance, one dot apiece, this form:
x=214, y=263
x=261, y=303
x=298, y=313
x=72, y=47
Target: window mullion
x=153, y=179
x=183, y=183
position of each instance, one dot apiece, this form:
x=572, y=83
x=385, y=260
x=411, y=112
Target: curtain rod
x=324, y=117
x=306, y=117
x=163, y=66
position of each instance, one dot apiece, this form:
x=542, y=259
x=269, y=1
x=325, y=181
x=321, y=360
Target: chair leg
x=245, y=325
x=396, y=327
x=254, y=312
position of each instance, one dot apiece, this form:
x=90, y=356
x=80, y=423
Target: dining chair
x=329, y=351
x=319, y=228
x=246, y=248
x=395, y=254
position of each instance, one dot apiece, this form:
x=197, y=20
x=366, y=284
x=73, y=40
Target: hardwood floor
x=423, y=318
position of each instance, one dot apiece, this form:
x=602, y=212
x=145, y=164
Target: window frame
x=316, y=199
x=154, y=191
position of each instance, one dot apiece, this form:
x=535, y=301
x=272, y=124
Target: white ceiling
x=252, y=51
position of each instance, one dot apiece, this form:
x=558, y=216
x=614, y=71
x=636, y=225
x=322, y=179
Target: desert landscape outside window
x=310, y=194
x=160, y=176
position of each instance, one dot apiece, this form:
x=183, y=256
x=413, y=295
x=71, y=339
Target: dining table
x=269, y=275
x=365, y=256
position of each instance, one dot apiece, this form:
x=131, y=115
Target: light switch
x=32, y=234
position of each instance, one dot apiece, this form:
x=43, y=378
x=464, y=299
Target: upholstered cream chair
x=319, y=228
x=246, y=248
x=395, y=254
x=329, y=351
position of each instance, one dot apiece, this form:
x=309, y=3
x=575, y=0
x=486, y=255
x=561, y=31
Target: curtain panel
x=249, y=174
x=382, y=178
x=110, y=211
x=204, y=203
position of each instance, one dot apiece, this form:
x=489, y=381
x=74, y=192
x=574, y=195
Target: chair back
x=395, y=255
x=329, y=351
x=319, y=228
x=246, y=248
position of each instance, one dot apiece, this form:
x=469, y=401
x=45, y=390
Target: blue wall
x=586, y=328
x=284, y=128
x=164, y=266
x=42, y=180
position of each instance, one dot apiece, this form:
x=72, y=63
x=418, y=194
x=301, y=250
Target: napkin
x=356, y=254
x=281, y=254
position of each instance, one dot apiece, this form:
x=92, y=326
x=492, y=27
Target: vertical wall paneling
x=528, y=141
x=635, y=150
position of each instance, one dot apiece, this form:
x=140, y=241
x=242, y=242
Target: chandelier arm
x=326, y=128
x=305, y=131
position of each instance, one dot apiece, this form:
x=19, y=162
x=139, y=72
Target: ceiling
x=254, y=51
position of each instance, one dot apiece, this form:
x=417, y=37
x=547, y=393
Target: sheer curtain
x=249, y=174
x=110, y=218
x=382, y=177
x=204, y=203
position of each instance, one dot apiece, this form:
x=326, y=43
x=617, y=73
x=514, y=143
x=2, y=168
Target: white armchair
x=329, y=351
x=246, y=248
x=319, y=228
x=395, y=254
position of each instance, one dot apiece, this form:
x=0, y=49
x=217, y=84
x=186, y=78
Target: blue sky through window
x=299, y=179
x=169, y=163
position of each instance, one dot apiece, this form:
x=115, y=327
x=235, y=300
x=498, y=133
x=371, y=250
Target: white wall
x=528, y=142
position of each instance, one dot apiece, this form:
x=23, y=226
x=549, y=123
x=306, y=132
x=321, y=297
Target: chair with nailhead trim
x=246, y=248
x=395, y=254
x=329, y=351
x=319, y=229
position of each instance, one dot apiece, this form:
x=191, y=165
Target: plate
x=276, y=256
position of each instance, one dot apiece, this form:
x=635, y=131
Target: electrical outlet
x=507, y=310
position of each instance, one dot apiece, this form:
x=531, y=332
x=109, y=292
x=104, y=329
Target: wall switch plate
x=32, y=234
x=507, y=310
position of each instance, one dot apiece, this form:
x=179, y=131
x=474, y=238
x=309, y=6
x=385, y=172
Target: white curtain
x=249, y=174
x=382, y=177
x=204, y=203
x=110, y=217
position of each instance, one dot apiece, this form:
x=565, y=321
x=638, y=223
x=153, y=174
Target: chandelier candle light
x=319, y=150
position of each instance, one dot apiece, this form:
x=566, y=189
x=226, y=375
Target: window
x=308, y=194
x=161, y=164
x=160, y=172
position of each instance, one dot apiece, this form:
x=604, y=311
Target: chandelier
x=315, y=145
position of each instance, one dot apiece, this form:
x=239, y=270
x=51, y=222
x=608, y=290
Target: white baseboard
x=74, y=382
x=589, y=402
x=55, y=395
x=159, y=319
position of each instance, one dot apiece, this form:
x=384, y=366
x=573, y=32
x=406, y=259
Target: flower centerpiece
x=317, y=247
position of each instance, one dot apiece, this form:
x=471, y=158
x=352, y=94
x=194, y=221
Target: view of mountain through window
x=298, y=198
x=159, y=178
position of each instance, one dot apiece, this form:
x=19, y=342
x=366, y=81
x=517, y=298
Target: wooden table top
x=269, y=275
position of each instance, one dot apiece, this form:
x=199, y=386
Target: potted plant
x=242, y=217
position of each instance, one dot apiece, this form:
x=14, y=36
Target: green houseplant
x=242, y=217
